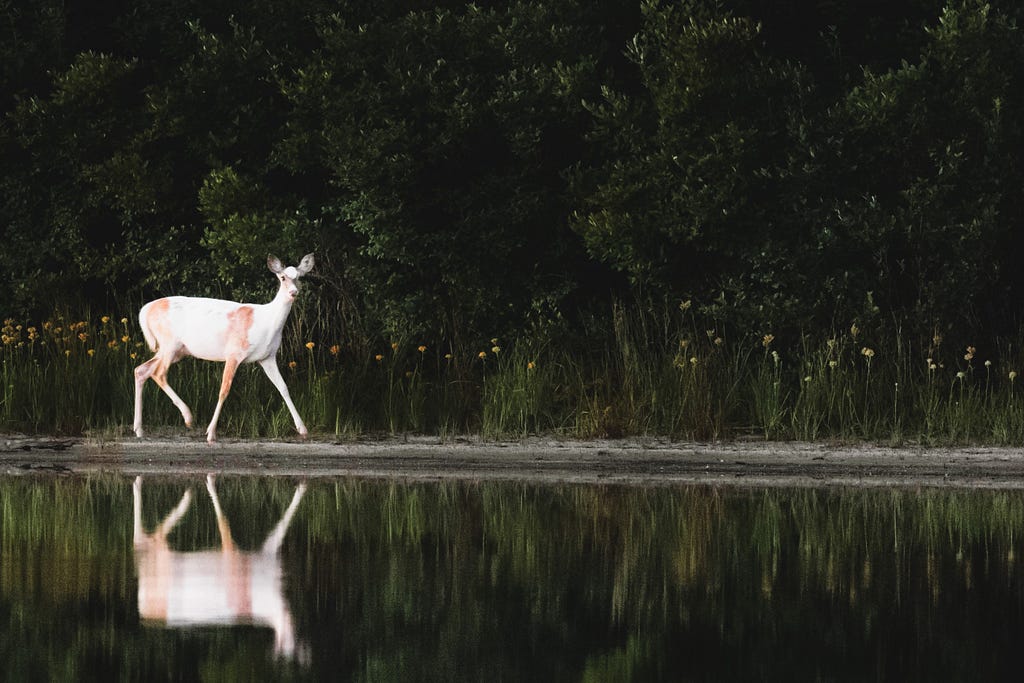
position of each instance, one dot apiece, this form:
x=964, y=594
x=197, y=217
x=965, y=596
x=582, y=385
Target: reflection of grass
x=647, y=373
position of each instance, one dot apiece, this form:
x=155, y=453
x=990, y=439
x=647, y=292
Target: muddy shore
x=544, y=460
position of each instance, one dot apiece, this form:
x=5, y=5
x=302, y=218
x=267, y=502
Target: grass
x=643, y=374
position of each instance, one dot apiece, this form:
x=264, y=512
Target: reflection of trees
x=527, y=581
x=513, y=581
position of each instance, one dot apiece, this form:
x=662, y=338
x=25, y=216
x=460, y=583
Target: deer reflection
x=209, y=587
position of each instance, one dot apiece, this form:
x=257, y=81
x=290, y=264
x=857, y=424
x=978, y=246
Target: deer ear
x=305, y=265
x=274, y=264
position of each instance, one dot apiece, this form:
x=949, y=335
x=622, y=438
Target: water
x=369, y=580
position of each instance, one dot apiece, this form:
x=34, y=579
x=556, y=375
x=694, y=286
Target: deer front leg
x=276, y=537
x=226, y=540
x=269, y=366
x=230, y=366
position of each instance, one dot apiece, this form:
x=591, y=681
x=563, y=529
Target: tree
x=927, y=175
x=441, y=137
x=692, y=197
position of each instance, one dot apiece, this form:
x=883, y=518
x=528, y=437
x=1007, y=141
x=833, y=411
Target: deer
x=213, y=587
x=221, y=331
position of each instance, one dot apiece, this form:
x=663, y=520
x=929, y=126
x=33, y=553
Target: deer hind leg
x=156, y=368
x=230, y=366
x=269, y=366
x=170, y=521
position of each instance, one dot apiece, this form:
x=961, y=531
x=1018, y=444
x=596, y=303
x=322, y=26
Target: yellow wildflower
x=482, y=355
x=124, y=339
x=421, y=348
x=292, y=365
x=530, y=365
x=105, y=319
x=335, y=350
x=91, y=352
x=82, y=336
x=310, y=345
x=767, y=340
x=379, y=357
x=495, y=349
x=394, y=346
x=1013, y=375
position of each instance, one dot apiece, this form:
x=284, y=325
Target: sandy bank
x=634, y=461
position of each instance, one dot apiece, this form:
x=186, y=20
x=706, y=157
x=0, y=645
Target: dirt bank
x=637, y=461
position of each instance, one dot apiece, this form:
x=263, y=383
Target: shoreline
x=634, y=462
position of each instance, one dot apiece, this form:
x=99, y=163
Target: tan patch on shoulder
x=239, y=324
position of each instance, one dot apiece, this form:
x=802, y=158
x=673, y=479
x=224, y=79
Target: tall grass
x=644, y=373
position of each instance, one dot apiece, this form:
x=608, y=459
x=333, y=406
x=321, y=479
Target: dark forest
x=824, y=178
x=470, y=169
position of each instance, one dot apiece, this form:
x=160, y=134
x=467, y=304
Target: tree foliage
x=463, y=170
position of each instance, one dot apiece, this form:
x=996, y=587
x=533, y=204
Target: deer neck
x=281, y=305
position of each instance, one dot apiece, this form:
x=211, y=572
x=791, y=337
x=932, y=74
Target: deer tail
x=144, y=325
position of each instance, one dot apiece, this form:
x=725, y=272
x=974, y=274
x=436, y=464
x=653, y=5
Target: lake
x=105, y=577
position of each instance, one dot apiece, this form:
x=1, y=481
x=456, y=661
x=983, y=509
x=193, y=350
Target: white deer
x=218, y=330
x=213, y=587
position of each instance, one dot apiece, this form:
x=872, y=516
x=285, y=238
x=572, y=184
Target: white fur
x=220, y=331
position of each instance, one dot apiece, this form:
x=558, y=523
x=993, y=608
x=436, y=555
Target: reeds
x=640, y=373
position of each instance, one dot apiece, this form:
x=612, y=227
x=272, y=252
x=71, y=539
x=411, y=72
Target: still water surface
x=247, y=578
